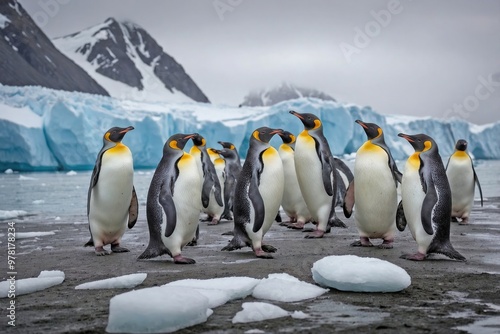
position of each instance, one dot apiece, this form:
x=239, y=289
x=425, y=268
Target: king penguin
x=232, y=171
x=112, y=201
x=426, y=200
x=375, y=189
x=293, y=203
x=258, y=194
x=317, y=174
x=174, y=201
x=462, y=176
x=211, y=193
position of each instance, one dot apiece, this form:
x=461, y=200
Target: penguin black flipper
x=257, y=203
x=206, y=188
x=167, y=202
x=326, y=167
x=342, y=167
x=396, y=174
x=95, y=176
x=428, y=204
x=400, y=217
x=476, y=179
x=133, y=210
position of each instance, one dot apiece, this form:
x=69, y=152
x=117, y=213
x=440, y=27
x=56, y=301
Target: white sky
x=428, y=56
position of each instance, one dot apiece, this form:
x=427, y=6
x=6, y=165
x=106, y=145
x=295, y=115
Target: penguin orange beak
x=190, y=136
x=127, y=129
x=407, y=137
x=361, y=123
x=294, y=113
x=276, y=131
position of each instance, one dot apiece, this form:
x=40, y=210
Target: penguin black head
x=372, y=130
x=287, y=137
x=310, y=121
x=461, y=145
x=264, y=134
x=198, y=140
x=178, y=141
x=116, y=134
x=227, y=145
x=420, y=142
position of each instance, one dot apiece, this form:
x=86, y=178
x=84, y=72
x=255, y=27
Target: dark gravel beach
x=445, y=296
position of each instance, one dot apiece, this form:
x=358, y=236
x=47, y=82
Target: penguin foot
x=310, y=229
x=269, y=249
x=336, y=222
x=179, y=259
x=99, y=251
x=296, y=226
x=315, y=235
x=464, y=221
x=362, y=242
x=260, y=253
x=387, y=244
x=118, y=249
x=214, y=221
x=454, y=220
x=192, y=243
x=228, y=233
x=413, y=257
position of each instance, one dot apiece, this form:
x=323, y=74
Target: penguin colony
x=302, y=177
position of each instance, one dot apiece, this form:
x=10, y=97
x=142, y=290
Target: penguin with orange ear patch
x=112, y=201
x=258, y=194
x=426, y=200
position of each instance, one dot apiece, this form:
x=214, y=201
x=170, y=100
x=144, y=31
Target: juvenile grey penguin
x=426, y=200
x=258, y=194
x=375, y=189
x=211, y=193
x=112, y=201
x=232, y=172
x=317, y=174
x=174, y=201
x=462, y=176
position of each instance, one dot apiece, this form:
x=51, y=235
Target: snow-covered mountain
x=44, y=129
x=283, y=92
x=129, y=63
x=28, y=57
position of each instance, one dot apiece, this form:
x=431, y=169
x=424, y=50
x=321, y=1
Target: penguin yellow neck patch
x=269, y=154
x=184, y=160
x=460, y=155
x=368, y=146
x=414, y=160
x=118, y=149
x=286, y=148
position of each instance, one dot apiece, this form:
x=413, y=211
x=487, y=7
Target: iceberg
x=46, y=129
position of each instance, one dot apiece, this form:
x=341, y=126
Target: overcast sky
x=423, y=58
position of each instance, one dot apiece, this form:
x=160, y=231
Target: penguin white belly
x=293, y=203
x=309, y=175
x=413, y=197
x=187, y=200
x=110, y=198
x=271, y=190
x=375, y=194
x=461, y=179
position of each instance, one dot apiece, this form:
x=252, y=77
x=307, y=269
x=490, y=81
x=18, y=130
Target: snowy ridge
x=127, y=61
x=69, y=135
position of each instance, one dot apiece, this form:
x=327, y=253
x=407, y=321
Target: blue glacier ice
x=44, y=129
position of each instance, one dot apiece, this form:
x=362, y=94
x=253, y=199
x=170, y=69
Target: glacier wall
x=44, y=129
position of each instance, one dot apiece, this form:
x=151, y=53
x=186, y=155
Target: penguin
x=258, y=194
x=375, y=189
x=232, y=171
x=112, y=202
x=426, y=200
x=211, y=194
x=462, y=176
x=174, y=201
x=293, y=203
x=317, y=174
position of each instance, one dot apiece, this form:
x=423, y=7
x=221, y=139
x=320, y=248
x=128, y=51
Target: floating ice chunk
x=360, y=274
x=220, y=290
x=12, y=214
x=299, y=315
x=38, y=201
x=71, y=172
x=8, y=171
x=24, y=286
x=25, y=235
x=258, y=311
x=156, y=310
x=286, y=288
x=120, y=282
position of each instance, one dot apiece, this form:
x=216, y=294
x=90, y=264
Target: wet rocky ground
x=445, y=296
